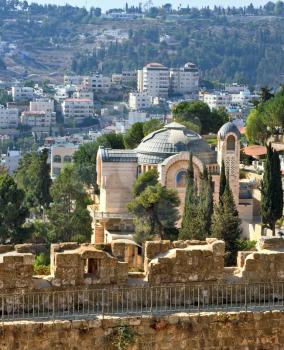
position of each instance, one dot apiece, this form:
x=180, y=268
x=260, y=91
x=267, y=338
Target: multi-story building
x=216, y=99
x=9, y=118
x=42, y=105
x=77, y=109
x=61, y=155
x=84, y=92
x=23, y=93
x=73, y=79
x=129, y=77
x=139, y=100
x=98, y=83
x=184, y=80
x=38, y=120
x=11, y=161
x=154, y=80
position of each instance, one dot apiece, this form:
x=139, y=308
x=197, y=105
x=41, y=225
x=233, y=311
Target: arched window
x=231, y=143
x=67, y=159
x=181, y=178
x=57, y=159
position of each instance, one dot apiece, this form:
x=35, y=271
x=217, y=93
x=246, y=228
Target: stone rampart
x=112, y=265
x=232, y=331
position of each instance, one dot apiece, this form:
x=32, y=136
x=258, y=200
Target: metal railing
x=142, y=300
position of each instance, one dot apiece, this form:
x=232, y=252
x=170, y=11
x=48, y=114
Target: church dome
x=228, y=128
x=171, y=139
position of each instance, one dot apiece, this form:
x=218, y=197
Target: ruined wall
x=185, y=261
x=16, y=271
x=232, y=331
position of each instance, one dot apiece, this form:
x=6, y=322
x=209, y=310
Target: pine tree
x=226, y=224
x=68, y=215
x=271, y=190
x=13, y=211
x=223, y=180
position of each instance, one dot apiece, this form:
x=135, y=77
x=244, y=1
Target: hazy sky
x=106, y=4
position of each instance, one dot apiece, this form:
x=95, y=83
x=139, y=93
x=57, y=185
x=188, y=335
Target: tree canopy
x=13, y=211
x=271, y=190
x=266, y=119
x=155, y=208
x=196, y=115
x=85, y=163
x=68, y=215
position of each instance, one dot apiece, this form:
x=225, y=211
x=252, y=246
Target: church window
x=231, y=143
x=181, y=178
x=67, y=159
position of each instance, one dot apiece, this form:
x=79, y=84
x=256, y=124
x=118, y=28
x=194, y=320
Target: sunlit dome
x=171, y=139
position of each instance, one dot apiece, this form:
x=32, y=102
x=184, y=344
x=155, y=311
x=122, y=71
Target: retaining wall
x=246, y=331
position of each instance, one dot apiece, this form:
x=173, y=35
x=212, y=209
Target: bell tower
x=229, y=151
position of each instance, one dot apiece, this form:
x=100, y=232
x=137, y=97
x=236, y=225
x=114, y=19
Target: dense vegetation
x=169, y=36
x=267, y=118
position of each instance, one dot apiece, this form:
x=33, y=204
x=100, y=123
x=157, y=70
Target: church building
x=168, y=151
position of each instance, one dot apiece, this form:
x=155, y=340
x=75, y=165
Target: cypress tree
x=223, y=180
x=271, y=190
x=226, y=224
x=189, y=226
x=206, y=203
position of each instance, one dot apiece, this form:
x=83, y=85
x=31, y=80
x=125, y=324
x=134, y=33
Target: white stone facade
x=77, y=109
x=9, y=118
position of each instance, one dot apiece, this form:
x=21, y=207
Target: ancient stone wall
x=108, y=265
x=74, y=265
x=184, y=261
x=232, y=331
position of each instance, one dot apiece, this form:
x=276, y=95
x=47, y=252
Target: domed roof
x=228, y=128
x=171, y=139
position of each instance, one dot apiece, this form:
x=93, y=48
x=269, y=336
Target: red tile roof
x=255, y=150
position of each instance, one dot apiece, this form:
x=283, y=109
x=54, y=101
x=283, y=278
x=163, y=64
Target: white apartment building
x=23, y=93
x=11, y=161
x=83, y=92
x=61, y=155
x=42, y=105
x=235, y=88
x=98, y=83
x=73, y=79
x=136, y=116
x=77, y=109
x=129, y=77
x=139, y=100
x=154, y=80
x=63, y=92
x=184, y=80
x=9, y=118
x=38, y=120
x=216, y=100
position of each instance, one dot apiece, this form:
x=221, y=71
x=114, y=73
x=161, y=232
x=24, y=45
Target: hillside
x=227, y=48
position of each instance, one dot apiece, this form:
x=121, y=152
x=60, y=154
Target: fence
x=142, y=300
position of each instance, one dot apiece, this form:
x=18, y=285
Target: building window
x=231, y=143
x=67, y=159
x=57, y=159
x=181, y=178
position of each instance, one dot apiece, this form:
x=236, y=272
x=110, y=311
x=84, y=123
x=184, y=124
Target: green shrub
x=245, y=244
x=42, y=264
